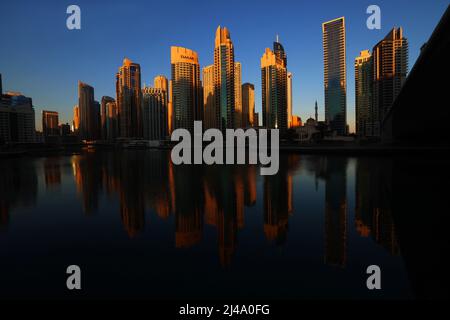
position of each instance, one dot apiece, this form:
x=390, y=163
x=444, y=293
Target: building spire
x=277, y=38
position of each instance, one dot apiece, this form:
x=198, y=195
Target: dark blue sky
x=41, y=58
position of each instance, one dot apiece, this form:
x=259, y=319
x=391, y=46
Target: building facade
x=274, y=91
x=105, y=100
x=224, y=79
x=154, y=113
x=89, y=115
x=363, y=94
x=17, y=119
x=187, y=92
x=289, y=99
x=128, y=94
x=335, y=82
x=248, y=105
x=50, y=123
x=210, y=113
x=390, y=67
x=238, y=114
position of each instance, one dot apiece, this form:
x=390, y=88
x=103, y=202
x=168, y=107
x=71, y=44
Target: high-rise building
x=96, y=129
x=363, y=94
x=187, y=101
x=274, y=91
x=17, y=118
x=76, y=118
x=89, y=116
x=50, y=123
x=154, y=101
x=112, y=121
x=238, y=95
x=278, y=49
x=161, y=82
x=248, y=105
x=316, y=110
x=104, y=102
x=209, y=112
x=128, y=91
x=224, y=79
x=335, y=74
x=289, y=99
x=390, y=67
x=170, y=109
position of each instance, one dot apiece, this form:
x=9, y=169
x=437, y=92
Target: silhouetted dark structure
x=426, y=88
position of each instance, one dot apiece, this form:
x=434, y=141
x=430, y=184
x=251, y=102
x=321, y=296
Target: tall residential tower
x=335, y=81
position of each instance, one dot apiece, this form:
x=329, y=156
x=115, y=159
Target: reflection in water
x=373, y=214
x=215, y=195
x=356, y=202
x=18, y=186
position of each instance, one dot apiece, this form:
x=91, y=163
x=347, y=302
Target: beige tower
x=289, y=99
x=224, y=78
x=210, y=114
x=238, y=95
x=128, y=90
x=248, y=105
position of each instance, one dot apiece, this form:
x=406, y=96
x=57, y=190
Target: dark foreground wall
x=421, y=112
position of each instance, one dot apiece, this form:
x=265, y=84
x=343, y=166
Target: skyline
x=51, y=81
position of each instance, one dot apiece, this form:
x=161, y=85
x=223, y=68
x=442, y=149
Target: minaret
x=317, y=117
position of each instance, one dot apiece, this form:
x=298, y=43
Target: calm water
x=139, y=226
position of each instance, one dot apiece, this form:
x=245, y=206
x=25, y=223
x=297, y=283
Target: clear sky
x=42, y=59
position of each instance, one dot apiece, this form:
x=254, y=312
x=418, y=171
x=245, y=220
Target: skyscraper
x=363, y=94
x=210, y=114
x=224, y=78
x=76, y=119
x=238, y=95
x=112, y=121
x=154, y=101
x=161, y=82
x=316, y=110
x=335, y=74
x=390, y=67
x=103, y=115
x=128, y=90
x=289, y=99
x=50, y=123
x=88, y=115
x=248, y=105
x=274, y=90
x=187, y=101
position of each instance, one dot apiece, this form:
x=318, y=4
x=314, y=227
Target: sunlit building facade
x=363, y=94
x=390, y=67
x=238, y=95
x=274, y=91
x=224, y=79
x=248, y=105
x=210, y=114
x=128, y=92
x=187, y=92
